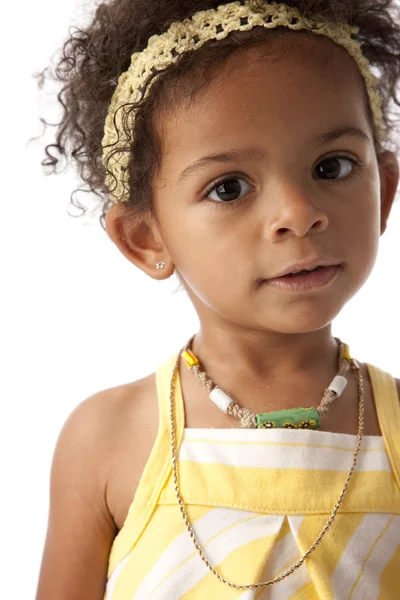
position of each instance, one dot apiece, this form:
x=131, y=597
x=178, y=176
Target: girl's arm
x=80, y=527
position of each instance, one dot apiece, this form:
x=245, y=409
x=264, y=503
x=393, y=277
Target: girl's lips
x=305, y=282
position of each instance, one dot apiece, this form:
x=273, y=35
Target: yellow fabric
x=164, y=49
x=388, y=415
x=257, y=521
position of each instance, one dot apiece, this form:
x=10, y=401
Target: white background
x=77, y=317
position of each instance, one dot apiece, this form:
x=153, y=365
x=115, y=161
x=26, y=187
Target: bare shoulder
x=99, y=454
x=108, y=421
x=124, y=423
x=131, y=415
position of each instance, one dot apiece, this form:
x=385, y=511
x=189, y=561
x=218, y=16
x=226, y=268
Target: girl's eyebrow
x=334, y=134
x=253, y=153
x=250, y=153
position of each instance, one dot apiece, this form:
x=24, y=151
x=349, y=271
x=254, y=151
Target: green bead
x=293, y=418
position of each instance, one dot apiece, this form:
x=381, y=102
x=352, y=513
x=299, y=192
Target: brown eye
x=229, y=190
x=334, y=167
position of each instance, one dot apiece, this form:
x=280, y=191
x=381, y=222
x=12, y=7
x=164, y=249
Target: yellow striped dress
x=257, y=500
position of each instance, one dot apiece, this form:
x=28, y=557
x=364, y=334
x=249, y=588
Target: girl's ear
x=138, y=238
x=389, y=176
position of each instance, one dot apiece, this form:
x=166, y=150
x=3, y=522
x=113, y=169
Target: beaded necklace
x=294, y=418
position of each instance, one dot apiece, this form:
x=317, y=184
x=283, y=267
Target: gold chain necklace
x=250, y=586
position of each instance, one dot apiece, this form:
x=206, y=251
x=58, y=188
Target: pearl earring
x=160, y=265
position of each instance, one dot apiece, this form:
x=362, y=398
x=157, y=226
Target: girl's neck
x=269, y=371
x=268, y=354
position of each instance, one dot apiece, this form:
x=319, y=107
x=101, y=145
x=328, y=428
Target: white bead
x=220, y=399
x=338, y=385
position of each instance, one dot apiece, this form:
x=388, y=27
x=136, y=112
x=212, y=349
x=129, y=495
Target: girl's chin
x=295, y=319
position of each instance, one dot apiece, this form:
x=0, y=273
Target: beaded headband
x=214, y=24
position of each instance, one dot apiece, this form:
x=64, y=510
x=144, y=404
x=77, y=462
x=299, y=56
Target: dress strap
x=157, y=470
x=387, y=405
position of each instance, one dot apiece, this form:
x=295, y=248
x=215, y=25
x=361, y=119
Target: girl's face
x=294, y=177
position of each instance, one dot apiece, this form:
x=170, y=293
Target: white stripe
x=349, y=565
x=283, y=555
x=194, y=570
x=182, y=547
x=369, y=585
x=281, y=457
x=295, y=436
x=295, y=522
x=287, y=587
x=111, y=583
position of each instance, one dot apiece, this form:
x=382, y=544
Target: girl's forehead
x=306, y=84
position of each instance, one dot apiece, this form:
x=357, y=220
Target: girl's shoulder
x=99, y=456
x=128, y=421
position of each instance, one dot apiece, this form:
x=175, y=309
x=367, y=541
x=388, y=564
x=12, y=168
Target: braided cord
x=246, y=417
x=329, y=395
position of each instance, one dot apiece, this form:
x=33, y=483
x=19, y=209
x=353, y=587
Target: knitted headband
x=190, y=34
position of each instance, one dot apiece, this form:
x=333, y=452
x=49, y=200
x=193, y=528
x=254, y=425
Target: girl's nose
x=294, y=212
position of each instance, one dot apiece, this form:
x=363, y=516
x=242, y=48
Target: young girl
x=244, y=146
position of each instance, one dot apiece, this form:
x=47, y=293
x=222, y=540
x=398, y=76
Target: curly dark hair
x=92, y=59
